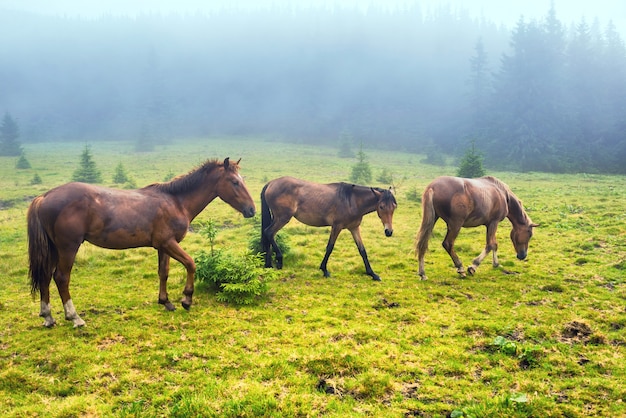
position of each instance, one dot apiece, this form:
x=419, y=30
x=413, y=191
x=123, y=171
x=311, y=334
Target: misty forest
x=544, y=95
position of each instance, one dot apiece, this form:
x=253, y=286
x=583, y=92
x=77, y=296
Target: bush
x=240, y=280
x=385, y=177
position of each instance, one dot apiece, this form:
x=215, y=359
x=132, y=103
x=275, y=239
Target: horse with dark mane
x=469, y=203
x=156, y=216
x=338, y=205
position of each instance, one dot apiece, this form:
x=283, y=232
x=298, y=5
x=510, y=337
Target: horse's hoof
x=423, y=277
x=376, y=278
x=49, y=324
x=471, y=270
x=186, y=305
x=79, y=323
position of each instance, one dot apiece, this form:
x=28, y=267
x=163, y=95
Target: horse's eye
x=235, y=183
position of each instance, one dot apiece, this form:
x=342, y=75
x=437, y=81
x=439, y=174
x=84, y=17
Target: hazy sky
x=499, y=11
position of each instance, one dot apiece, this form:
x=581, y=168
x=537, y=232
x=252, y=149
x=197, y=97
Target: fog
x=535, y=87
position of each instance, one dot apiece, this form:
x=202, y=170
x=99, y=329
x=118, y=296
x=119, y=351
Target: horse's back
x=311, y=203
x=471, y=202
x=109, y=218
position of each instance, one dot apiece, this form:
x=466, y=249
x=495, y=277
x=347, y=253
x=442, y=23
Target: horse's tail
x=42, y=252
x=429, y=217
x=266, y=221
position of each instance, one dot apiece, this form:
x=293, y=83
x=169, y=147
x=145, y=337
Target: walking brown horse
x=156, y=216
x=338, y=205
x=469, y=203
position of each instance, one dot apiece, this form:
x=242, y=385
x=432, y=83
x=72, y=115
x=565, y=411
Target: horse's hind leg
x=164, y=268
x=45, y=311
x=62, y=280
x=270, y=233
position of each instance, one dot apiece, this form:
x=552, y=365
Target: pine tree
x=471, y=165
x=120, y=176
x=22, y=163
x=87, y=172
x=361, y=171
x=9, y=134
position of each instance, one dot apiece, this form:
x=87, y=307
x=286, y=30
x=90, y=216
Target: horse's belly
x=118, y=240
x=312, y=219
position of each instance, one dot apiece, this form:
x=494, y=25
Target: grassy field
x=549, y=340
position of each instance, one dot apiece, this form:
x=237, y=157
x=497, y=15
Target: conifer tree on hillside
x=471, y=165
x=87, y=172
x=9, y=134
x=361, y=171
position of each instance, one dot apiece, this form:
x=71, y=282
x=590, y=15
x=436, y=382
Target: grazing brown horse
x=469, y=203
x=156, y=216
x=338, y=205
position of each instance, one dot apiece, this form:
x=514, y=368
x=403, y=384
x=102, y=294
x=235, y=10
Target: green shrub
x=385, y=177
x=237, y=279
x=240, y=280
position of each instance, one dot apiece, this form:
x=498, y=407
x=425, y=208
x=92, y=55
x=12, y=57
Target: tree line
x=543, y=96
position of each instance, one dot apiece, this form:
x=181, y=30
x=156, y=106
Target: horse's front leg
x=174, y=250
x=164, y=269
x=334, y=233
x=356, y=234
x=448, y=244
x=491, y=245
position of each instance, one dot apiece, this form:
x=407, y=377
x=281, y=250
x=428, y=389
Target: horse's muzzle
x=388, y=232
x=248, y=212
x=522, y=255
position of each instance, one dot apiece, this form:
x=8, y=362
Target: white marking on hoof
x=71, y=315
x=46, y=314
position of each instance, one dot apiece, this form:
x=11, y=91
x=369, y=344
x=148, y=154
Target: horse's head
x=521, y=235
x=232, y=189
x=385, y=207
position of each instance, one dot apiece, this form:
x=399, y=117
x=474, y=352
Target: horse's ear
x=226, y=162
x=376, y=192
x=238, y=161
x=535, y=225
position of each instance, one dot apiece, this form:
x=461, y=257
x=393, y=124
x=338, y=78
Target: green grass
x=548, y=340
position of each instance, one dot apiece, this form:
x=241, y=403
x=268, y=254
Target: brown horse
x=338, y=205
x=156, y=216
x=469, y=203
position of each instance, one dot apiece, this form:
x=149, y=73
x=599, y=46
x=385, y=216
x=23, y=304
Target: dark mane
x=345, y=191
x=516, y=209
x=387, y=197
x=186, y=182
